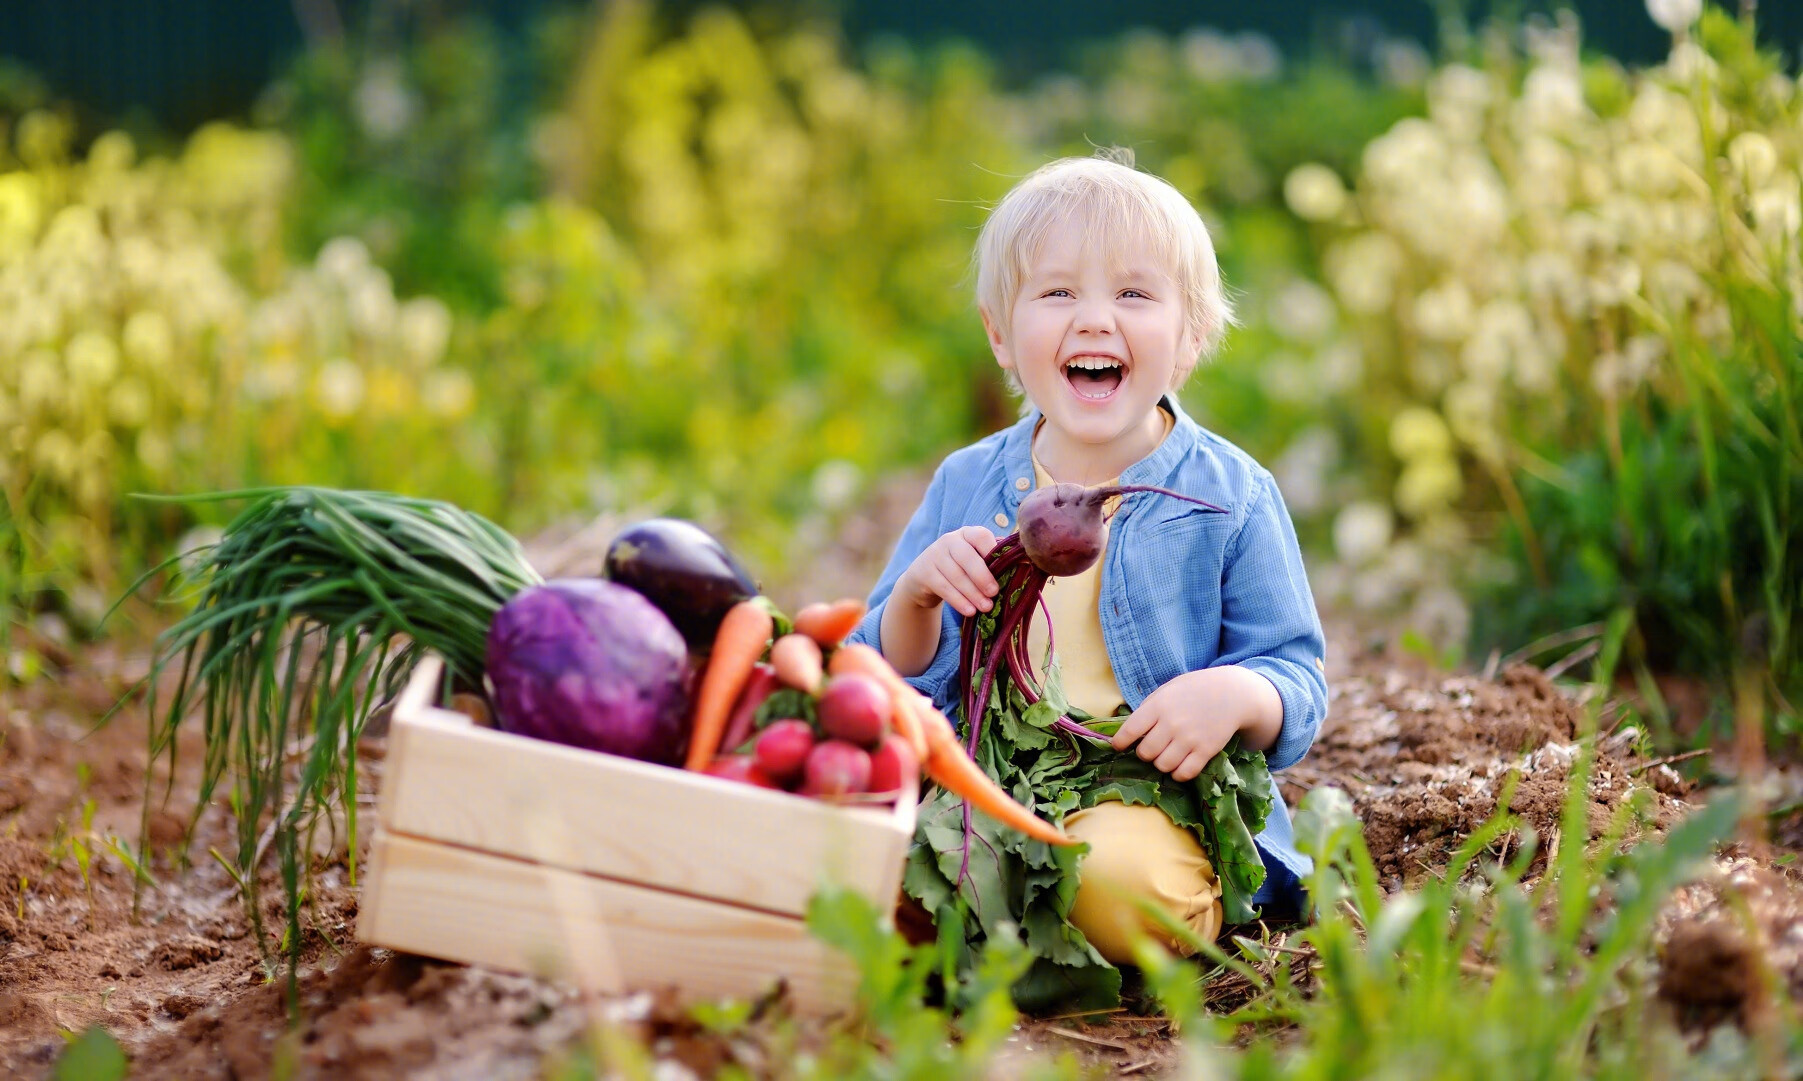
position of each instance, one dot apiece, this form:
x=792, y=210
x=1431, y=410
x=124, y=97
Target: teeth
x=1094, y=364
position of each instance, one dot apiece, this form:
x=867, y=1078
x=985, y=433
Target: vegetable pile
x=1055, y=759
x=315, y=604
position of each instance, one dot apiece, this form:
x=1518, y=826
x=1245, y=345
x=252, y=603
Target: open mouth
x=1094, y=378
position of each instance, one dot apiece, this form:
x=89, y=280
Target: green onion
x=313, y=606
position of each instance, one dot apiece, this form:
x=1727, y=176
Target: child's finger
x=1191, y=766
x=1171, y=757
x=976, y=570
x=980, y=538
x=937, y=583
x=959, y=579
x=1137, y=724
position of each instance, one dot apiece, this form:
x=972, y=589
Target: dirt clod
x=187, y=952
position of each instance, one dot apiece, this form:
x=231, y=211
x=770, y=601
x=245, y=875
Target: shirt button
x=1001, y=519
x=1022, y=483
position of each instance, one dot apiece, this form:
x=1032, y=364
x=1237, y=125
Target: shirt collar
x=1017, y=450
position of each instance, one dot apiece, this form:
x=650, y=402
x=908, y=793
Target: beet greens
x=1056, y=760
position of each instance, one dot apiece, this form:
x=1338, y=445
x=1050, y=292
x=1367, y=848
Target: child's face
x=1095, y=346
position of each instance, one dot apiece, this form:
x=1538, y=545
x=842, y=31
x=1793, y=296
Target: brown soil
x=185, y=989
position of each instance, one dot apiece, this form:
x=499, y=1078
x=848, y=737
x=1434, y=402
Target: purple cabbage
x=589, y=663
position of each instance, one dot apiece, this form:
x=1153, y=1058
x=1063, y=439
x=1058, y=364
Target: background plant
x=1575, y=293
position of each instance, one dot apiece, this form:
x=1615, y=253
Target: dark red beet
x=1061, y=528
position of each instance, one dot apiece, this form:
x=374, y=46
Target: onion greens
x=312, y=607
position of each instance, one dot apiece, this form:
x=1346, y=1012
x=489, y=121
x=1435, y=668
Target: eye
x=1135, y=293
x=1055, y=292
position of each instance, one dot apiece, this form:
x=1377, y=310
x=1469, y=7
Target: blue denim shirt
x=1183, y=588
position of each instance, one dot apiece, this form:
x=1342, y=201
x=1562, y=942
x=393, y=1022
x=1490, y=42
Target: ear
x=1003, y=355
x=1190, y=345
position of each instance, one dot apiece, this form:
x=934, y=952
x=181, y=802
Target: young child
x=1099, y=291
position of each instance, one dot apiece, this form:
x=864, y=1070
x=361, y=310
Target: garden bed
x=1423, y=753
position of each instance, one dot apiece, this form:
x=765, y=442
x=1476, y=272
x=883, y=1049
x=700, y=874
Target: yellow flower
x=1428, y=483
x=149, y=341
x=1314, y=192
x=92, y=357
x=154, y=453
x=448, y=393
x=1753, y=157
x=113, y=152
x=424, y=330
x=1443, y=313
x=41, y=382
x=1471, y=415
x=1418, y=432
x=1363, y=272
x=21, y=210
x=56, y=454
x=338, y=389
x=1777, y=213
x=128, y=403
x=389, y=393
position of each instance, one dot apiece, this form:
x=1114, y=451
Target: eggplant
x=684, y=571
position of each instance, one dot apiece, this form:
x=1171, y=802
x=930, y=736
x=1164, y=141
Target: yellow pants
x=1137, y=851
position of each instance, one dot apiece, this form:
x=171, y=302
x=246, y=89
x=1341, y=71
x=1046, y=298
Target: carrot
x=944, y=758
x=738, y=644
x=952, y=769
x=830, y=623
x=796, y=658
x=859, y=657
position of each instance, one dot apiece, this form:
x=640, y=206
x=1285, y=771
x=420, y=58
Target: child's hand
x=952, y=570
x=1186, y=722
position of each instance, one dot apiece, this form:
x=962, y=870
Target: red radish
x=741, y=768
x=892, y=765
x=856, y=708
x=796, y=658
x=782, y=750
x=757, y=688
x=836, y=768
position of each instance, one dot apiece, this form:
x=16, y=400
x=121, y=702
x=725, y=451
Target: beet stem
x=1065, y=724
x=1102, y=495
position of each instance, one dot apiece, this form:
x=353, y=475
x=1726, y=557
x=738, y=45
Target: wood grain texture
x=449, y=780
x=452, y=903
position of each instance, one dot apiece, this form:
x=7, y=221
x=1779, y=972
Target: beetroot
x=892, y=765
x=782, y=750
x=836, y=768
x=1061, y=529
x=1061, y=534
x=856, y=708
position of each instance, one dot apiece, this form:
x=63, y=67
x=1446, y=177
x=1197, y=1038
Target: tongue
x=1095, y=384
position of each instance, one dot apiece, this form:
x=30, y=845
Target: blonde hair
x=1113, y=200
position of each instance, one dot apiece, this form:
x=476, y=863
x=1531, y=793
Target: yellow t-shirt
x=1074, y=604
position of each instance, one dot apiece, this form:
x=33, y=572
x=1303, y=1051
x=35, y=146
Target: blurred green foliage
x=1510, y=316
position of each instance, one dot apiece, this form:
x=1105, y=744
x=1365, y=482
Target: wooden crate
x=497, y=849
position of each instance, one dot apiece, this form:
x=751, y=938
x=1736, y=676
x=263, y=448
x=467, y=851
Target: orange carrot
x=738, y=644
x=859, y=657
x=829, y=624
x=952, y=769
x=796, y=658
x=944, y=758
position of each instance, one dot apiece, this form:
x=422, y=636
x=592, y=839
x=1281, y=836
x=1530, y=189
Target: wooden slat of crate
x=449, y=780
x=448, y=902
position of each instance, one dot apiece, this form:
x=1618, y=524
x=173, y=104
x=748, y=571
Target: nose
x=1093, y=316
